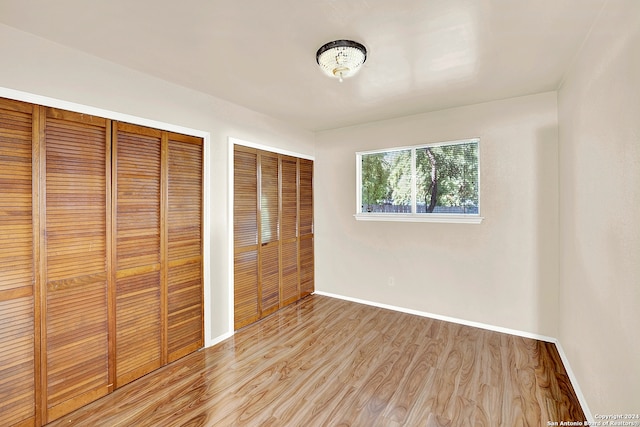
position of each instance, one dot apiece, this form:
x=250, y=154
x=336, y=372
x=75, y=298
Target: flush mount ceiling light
x=341, y=58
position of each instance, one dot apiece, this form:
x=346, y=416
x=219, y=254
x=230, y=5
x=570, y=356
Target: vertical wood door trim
x=202, y=236
x=42, y=266
x=259, y=219
x=38, y=188
x=164, y=249
x=280, y=278
x=108, y=254
x=113, y=252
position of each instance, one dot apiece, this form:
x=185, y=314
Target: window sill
x=451, y=219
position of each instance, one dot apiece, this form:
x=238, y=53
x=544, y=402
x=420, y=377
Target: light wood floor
x=328, y=362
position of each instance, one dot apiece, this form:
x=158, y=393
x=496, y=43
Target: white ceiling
x=424, y=55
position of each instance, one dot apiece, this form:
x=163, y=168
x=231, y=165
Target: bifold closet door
x=75, y=158
x=19, y=316
x=137, y=251
x=245, y=236
x=101, y=257
x=306, y=228
x=185, y=300
x=269, y=240
x=273, y=232
x=290, y=289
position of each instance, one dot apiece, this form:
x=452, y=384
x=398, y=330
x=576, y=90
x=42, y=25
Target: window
x=432, y=182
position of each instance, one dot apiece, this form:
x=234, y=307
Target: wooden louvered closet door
x=273, y=232
x=289, y=234
x=19, y=315
x=101, y=257
x=75, y=158
x=185, y=300
x=306, y=228
x=269, y=272
x=245, y=236
x=137, y=251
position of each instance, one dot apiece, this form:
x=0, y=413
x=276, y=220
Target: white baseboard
x=217, y=340
x=445, y=318
x=563, y=356
x=574, y=383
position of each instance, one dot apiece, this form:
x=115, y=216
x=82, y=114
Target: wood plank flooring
x=329, y=362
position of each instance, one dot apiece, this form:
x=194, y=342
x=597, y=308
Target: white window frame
x=414, y=217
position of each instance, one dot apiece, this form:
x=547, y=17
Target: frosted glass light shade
x=341, y=58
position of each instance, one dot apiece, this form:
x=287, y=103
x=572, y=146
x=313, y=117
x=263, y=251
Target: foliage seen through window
x=430, y=179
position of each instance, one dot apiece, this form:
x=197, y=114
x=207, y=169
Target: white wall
x=503, y=272
x=37, y=66
x=599, y=115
